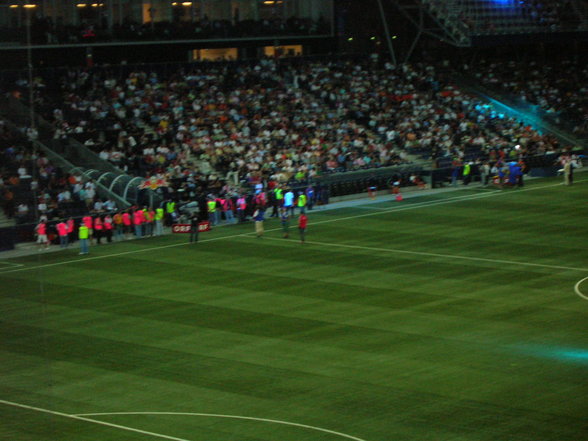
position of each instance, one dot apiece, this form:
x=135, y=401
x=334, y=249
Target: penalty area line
x=445, y=256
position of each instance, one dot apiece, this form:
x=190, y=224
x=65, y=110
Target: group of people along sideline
x=141, y=222
x=93, y=229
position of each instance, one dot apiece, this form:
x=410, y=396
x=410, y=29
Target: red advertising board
x=187, y=228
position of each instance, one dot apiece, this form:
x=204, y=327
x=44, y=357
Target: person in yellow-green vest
x=302, y=202
x=159, y=213
x=279, y=193
x=213, y=213
x=83, y=235
x=467, y=173
x=148, y=224
x=170, y=209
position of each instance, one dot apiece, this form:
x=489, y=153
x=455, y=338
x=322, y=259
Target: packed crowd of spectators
x=44, y=31
x=248, y=122
x=283, y=121
x=558, y=88
x=417, y=110
x=277, y=121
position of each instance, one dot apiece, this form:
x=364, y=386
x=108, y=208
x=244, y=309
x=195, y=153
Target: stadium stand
x=558, y=89
x=44, y=31
x=287, y=121
x=33, y=186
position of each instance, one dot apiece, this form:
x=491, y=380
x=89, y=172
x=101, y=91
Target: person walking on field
x=289, y=201
x=301, y=202
x=302, y=223
x=258, y=217
x=83, y=235
x=568, y=169
x=194, y=228
x=285, y=221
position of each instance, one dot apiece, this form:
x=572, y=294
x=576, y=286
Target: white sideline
x=90, y=420
x=4, y=262
x=375, y=213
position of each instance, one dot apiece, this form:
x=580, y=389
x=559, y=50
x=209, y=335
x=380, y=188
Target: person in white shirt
x=289, y=201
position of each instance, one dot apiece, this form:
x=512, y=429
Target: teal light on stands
x=561, y=353
x=577, y=355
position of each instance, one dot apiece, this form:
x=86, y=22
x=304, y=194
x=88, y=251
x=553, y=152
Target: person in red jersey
x=302, y=222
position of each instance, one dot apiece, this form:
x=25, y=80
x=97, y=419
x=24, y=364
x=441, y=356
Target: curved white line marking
x=577, y=289
x=90, y=420
x=236, y=417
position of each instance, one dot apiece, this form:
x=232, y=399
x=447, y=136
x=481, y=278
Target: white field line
x=442, y=202
x=577, y=289
x=369, y=207
x=376, y=213
x=4, y=262
x=85, y=417
x=91, y=420
x=235, y=417
x=445, y=256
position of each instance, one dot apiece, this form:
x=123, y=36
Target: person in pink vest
x=62, y=233
x=228, y=208
x=138, y=221
x=108, y=227
x=70, y=229
x=127, y=224
x=241, y=208
x=41, y=230
x=88, y=222
x=98, y=229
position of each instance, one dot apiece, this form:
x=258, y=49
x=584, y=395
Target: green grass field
x=441, y=318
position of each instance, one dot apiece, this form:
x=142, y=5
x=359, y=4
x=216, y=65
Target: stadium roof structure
x=462, y=22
